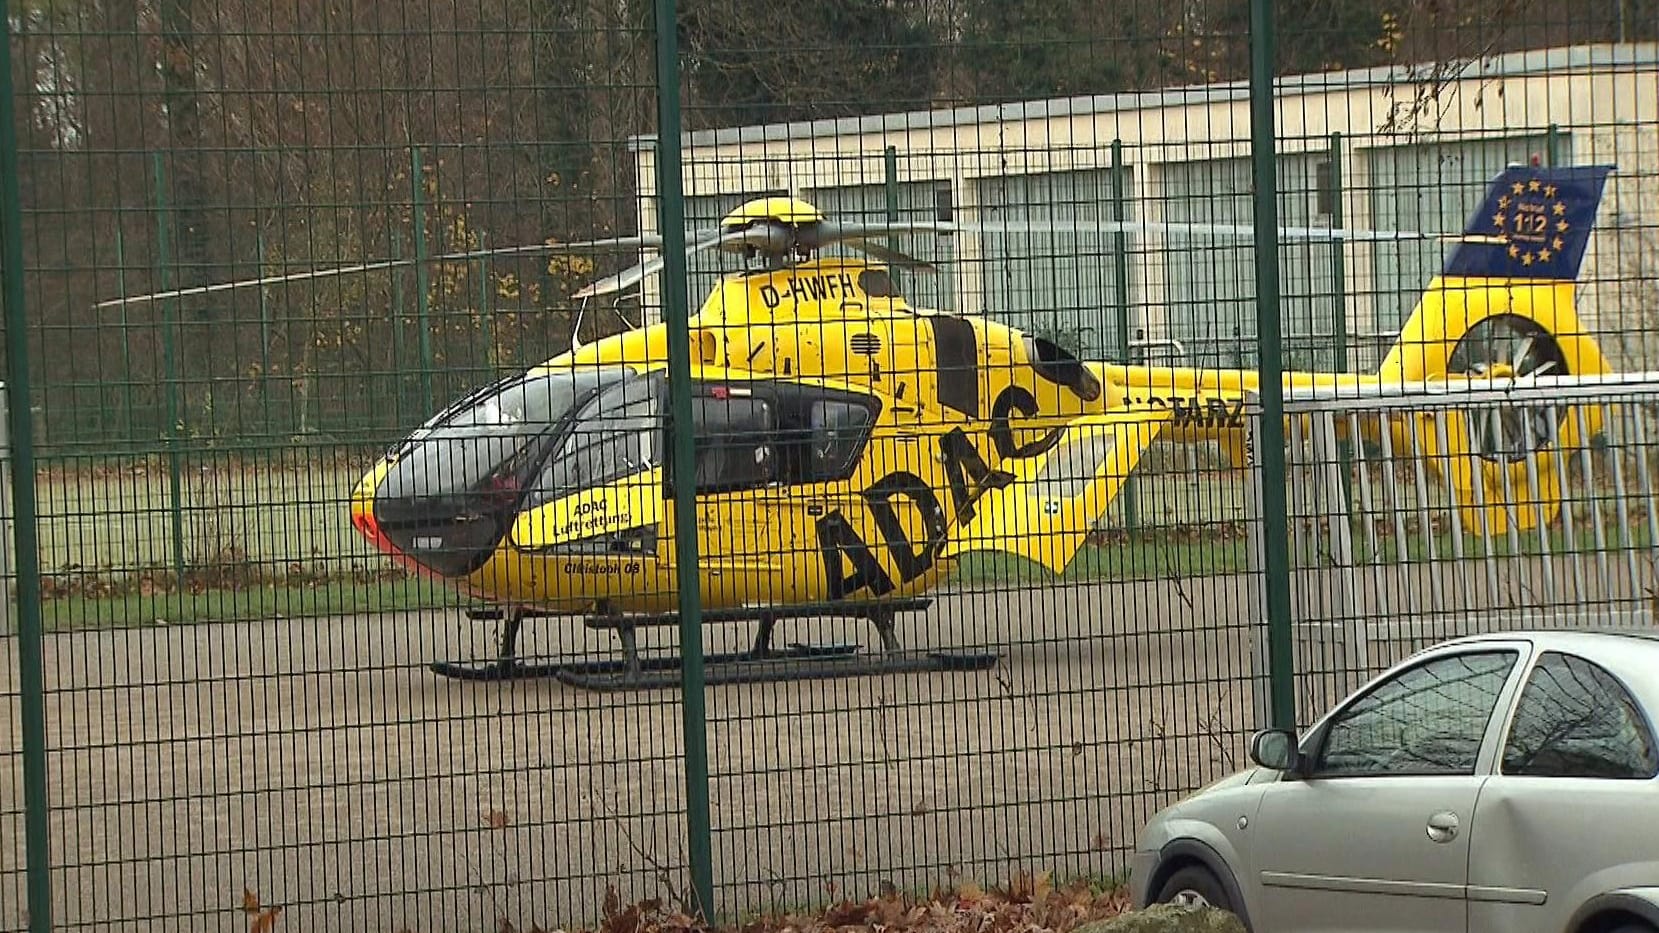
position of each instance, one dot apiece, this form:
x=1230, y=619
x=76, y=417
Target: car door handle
x=1443, y=826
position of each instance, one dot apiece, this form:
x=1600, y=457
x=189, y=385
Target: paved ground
x=320, y=765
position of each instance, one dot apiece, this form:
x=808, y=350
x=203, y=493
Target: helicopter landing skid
x=761, y=663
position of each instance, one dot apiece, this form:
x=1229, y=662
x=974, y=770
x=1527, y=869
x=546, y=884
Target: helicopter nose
x=441, y=506
x=366, y=524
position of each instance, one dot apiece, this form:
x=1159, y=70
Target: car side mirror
x=1276, y=749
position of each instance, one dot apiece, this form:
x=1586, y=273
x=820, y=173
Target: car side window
x=1575, y=719
x=1427, y=719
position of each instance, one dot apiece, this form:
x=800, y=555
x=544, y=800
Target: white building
x=1387, y=148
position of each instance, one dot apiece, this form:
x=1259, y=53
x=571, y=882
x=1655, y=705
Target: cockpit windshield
x=456, y=483
x=497, y=432
x=522, y=404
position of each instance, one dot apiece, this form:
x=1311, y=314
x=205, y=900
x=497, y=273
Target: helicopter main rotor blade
x=831, y=231
x=889, y=255
x=1237, y=231
x=633, y=275
x=862, y=237
x=765, y=237
x=580, y=246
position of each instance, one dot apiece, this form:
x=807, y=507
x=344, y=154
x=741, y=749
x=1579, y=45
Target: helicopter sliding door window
x=773, y=434
x=839, y=430
x=736, y=442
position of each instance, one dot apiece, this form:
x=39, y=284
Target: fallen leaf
x=496, y=819
x=625, y=921
x=847, y=913
x=265, y=922
x=613, y=902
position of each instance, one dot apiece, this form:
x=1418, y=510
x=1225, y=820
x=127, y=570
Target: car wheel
x=1194, y=886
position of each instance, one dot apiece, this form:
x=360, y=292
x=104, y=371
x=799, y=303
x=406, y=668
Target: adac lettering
x=1196, y=411
x=1016, y=398
x=830, y=286
x=969, y=475
x=839, y=543
x=850, y=564
x=593, y=518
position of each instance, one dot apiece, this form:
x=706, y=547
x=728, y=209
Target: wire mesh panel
x=265, y=245
x=369, y=440
x=1428, y=515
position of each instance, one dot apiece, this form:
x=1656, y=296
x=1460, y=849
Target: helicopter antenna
x=616, y=308
x=576, y=331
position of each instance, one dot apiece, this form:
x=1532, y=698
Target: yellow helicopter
x=850, y=447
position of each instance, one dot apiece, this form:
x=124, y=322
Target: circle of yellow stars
x=1555, y=223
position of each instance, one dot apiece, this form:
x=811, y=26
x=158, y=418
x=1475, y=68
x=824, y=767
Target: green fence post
x=31, y=639
x=169, y=356
x=677, y=310
x=1552, y=144
x=1120, y=277
x=1339, y=294
x=422, y=278
x=890, y=165
x=1275, y=523
x=126, y=332
x=264, y=335
x=486, y=331
x=399, y=393
x=1339, y=271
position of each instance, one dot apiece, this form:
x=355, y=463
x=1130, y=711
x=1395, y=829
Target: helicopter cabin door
x=589, y=528
x=773, y=458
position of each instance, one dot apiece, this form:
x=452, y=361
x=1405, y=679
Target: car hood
x=1203, y=795
x=1236, y=779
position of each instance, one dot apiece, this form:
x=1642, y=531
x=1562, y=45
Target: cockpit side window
x=615, y=435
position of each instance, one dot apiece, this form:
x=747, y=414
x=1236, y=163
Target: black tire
x=1632, y=928
x=1195, y=886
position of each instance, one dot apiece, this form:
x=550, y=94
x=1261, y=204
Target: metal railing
x=1387, y=558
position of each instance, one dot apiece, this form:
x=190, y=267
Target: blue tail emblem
x=1534, y=224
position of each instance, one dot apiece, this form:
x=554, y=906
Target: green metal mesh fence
x=301, y=510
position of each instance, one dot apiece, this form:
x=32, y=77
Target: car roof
x=1630, y=653
x=1642, y=639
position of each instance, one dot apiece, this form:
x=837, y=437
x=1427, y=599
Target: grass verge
x=1115, y=557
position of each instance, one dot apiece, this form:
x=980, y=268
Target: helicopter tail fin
x=1502, y=307
x=1519, y=255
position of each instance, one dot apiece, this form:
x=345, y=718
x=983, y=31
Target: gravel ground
x=322, y=766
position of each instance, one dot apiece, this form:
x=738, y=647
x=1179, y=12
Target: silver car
x=1494, y=783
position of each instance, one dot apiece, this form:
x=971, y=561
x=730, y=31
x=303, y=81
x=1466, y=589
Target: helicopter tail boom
x=1500, y=308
